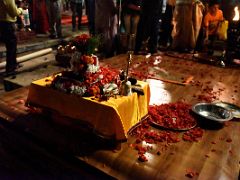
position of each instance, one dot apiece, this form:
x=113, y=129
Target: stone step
x=42, y=42
x=32, y=70
x=35, y=62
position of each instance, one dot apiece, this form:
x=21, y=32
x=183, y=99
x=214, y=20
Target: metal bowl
x=231, y=107
x=212, y=112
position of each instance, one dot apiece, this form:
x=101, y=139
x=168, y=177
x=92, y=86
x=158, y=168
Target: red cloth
x=39, y=16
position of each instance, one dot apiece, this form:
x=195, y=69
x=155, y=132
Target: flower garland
x=81, y=64
x=86, y=44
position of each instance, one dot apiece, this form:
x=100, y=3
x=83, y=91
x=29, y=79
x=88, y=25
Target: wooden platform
x=215, y=156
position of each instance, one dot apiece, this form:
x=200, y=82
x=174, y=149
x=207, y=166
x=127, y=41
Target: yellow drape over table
x=112, y=118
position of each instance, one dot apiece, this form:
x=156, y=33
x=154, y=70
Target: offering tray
x=174, y=129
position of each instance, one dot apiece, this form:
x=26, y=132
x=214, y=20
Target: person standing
x=132, y=15
x=106, y=25
x=183, y=31
x=8, y=17
x=165, y=36
x=40, y=17
x=148, y=25
x=90, y=9
x=54, y=16
x=76, y=7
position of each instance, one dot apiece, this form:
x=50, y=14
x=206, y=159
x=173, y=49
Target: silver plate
x=212, y=112
x=231, y=107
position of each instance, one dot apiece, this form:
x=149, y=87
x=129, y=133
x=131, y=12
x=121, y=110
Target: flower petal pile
x=172, y=116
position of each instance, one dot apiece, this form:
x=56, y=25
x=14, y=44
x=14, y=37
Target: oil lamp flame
x=236, y=17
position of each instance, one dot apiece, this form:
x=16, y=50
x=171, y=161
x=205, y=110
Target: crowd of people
x=182, y=25
x=41, y=16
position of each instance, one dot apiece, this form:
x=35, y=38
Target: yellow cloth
x=9, y=11
x=222, y=30
x=112, y=118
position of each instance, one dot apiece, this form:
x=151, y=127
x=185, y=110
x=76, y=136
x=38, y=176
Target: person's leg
x=91, y=16
x=162, y=34
x=127, y=22
x=64, y=5
x=73, y=9
x=166, y=26
x=10, y=40
x=200, y=41
x=169, y=32
x=67, y=5
x=135, y=20
x=79, y=14
x=212, y=39
x=58, y=18
x=51, y=18
x=139, y=37
x=142, y=36
x=153, y=34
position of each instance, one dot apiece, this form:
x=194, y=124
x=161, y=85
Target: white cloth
x=187, y=20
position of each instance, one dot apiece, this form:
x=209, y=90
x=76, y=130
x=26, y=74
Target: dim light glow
x=236, y=17
x=159, y=95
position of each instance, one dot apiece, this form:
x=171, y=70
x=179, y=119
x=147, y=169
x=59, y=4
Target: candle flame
x=236, y=17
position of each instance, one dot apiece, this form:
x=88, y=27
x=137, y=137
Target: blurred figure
x=23, y=21
x=54, y=16
x=197, y=18
x=26, y=18
x=183, y=32
x=76, y=7
x=132, y=9
x=40, y=17
x=30, y=10
x=106, y=25
x=132, y=15
x=211, y=21
x=8, y=17
x=19, y=21
x=187, y=21
x=201, y=37
x=65, y=5
x=90, y=10
x=167, y=26
x=147, y=31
